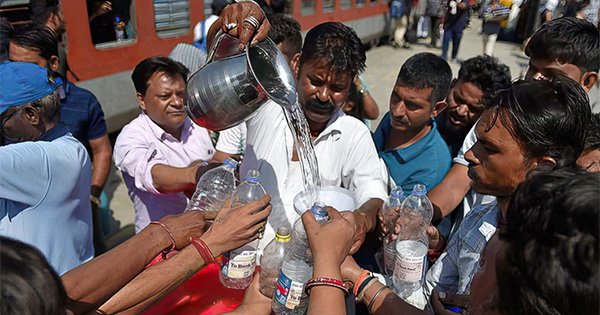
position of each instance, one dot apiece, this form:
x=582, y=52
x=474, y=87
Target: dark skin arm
x=448, y=194
x=94, y=282
x=102, y=155
x=231, y=229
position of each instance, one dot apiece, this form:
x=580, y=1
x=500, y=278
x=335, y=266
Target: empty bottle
x=390, y=212
x=238, y=267
x=412, y=242
x=214, y=188
x=271, y=260
x=296, y=269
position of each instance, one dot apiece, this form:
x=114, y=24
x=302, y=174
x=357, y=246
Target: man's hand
x=361, y=229
x=188, y=225
x=246, y=21
x=436, y=240
x=254, y=302
x=233, y=228
x=331, y=241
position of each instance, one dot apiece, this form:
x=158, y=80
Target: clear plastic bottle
x=214, y=188
x=296, y=269
x=238, y=268
x=412, y=242
x=271, y=260
x=390, y=212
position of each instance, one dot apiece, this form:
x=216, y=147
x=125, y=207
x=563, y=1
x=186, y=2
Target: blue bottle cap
x=318, y=209
x=230, y=162
x=253, y=176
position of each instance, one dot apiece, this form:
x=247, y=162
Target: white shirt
x=345, y=153
x=233, y=140
x=143, y=144
x=207, y=24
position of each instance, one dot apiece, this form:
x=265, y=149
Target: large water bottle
x=390, y=212
x=296, y=269
x=271, y=260
x=214, y=188
x=412, y=242
x=239, y=265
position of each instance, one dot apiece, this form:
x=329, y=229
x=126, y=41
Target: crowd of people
x=511, y=168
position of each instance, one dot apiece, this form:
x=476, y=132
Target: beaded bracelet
x=363, y=275
x=165, y=252
x=325, y=281
x=375, y=298
x=203, y=250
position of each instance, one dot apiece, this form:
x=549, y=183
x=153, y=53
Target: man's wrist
x=213, y=244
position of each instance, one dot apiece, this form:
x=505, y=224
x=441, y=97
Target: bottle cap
x=283, y=235
x=230, y=162
x=253, y=176
x=318, y=209
x=419, y=190
x=397, y=192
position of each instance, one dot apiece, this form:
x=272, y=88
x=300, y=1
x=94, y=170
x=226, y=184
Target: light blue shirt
x=426, y=161
x=45, y=197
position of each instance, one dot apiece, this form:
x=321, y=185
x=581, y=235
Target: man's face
x=22, y=54
x=15, y=126
x=464, y=106
x=546, y=68
x=590, y=160
x=164, y=101
x=321, y=92
x=497, y=164
x=410, y=109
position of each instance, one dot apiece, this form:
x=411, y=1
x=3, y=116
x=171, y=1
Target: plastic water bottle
x=391, y=211
x=412, y=242
x=296, y=269
x=214, y=188
x=271, y=260
x=238, y=268
x=119, y=29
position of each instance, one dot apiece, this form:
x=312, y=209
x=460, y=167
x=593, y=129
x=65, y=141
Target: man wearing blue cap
x=46, y=172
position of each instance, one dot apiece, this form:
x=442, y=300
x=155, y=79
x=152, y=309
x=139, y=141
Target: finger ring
x=230, y=26
x=252, y=21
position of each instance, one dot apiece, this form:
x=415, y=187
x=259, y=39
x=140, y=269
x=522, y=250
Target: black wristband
x=364, y=284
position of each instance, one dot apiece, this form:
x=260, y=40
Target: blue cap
x=23, y=82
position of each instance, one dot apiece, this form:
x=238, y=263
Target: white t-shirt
x=233, y=140
x=345, y=152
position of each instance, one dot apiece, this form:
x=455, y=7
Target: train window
x=346, y=4
x=171, y=17
x=112, y=23
x=360, y=3
x=308, y=7
x=328, y=6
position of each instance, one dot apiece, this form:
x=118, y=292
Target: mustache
x=313, y=102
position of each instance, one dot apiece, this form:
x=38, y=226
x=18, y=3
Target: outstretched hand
x=188, y=225
x=235, y=227
x=332, y=240
x=246, y=21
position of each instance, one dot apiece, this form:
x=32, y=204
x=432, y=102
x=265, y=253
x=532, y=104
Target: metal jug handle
x=230, y=50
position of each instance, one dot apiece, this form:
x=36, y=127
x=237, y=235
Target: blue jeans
x=454, y=33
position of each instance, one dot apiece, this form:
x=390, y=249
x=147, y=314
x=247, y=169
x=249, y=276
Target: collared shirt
x=82, y=113
x=455, y=268
x=143, y=144
x=426, y=161
x=44, y=197
x=345, y=154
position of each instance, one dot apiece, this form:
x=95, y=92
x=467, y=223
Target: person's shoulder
x=136, y=129
x=79, y=92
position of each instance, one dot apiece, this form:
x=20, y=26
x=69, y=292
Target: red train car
x=155, y=27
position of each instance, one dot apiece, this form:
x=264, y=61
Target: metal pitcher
x=232, y=85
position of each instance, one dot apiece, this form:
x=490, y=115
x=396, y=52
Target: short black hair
x=29, y=284
x=286, y=30
x=426, y=70
x=39, y=39
x=335, y=45
x=278, y=6
x=42, y=9
x=149, y=66
x=592, y=139
x=568, y=39
x=487, y=73
x=546, y=118
x=550, y=264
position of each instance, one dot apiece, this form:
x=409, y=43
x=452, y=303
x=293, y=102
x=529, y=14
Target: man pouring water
x=331, y=57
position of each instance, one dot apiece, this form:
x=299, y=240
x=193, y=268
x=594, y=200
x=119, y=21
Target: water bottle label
x=409, y=268
x=241, y=264
x=288, y=293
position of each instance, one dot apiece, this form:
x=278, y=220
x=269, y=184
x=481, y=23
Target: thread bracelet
x=326, y=282
x=203, y=250
x=165, y=252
